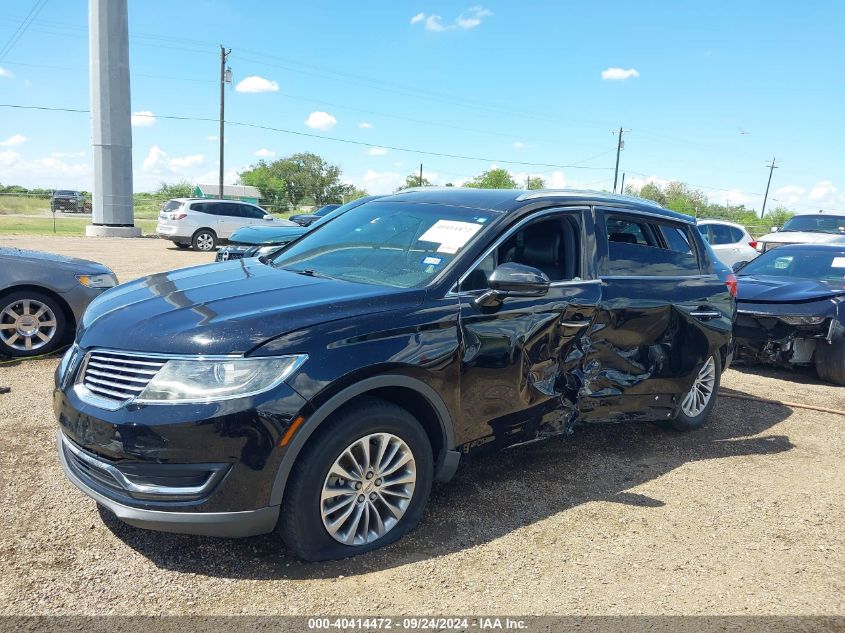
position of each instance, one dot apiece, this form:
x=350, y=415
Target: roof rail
x=552, y=193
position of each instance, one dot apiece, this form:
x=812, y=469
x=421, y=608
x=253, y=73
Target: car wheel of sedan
x=830, y=362
x=204, y=240
x=361, y=483
x=31, y=324
x=701, y=397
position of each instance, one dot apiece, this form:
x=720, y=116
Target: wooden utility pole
x=618, y=150
x=421, y=175
x=224, y=79
x=771, y=167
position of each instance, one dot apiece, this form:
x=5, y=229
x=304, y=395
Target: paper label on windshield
x=450, y=234
x=838, y=262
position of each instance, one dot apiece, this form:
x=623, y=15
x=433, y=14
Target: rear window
x=644, y=247
x=171, y=205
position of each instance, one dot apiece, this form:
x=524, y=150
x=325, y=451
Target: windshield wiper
x=309, y=272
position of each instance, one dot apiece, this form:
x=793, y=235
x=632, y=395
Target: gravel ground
x=742, y=517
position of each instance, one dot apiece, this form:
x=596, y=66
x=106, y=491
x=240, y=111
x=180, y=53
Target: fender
x=445, y=464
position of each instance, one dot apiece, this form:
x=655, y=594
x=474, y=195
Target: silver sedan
x=42, y=298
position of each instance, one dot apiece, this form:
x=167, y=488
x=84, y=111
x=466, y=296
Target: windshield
x=834, y=224
x=65, y=193
x=392, y=244
x=802, y=263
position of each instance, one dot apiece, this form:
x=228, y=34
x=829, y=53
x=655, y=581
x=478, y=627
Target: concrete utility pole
x=108, y=25
x=771, y=167
x=225, y=77
x=622, y=186
x=421, y=181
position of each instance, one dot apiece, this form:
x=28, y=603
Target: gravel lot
x=742, y=517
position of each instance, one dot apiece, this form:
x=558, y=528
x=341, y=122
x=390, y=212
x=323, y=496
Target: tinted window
x=816, y=223
x=738, y=234
x=202, y=207
x=638, y=247
x=171, y=205
x=721, y=234
x=249, y=211
x=550, y=245
x=230, y=209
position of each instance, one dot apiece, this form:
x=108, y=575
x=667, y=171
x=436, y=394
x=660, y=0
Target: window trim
x=454, y=290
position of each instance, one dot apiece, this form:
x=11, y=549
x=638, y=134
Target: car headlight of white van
x=211, y=379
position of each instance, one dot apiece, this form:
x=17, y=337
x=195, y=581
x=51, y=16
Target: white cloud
x=265, y=153
x=5, y=72
x=15, y=139
x=179, y=163
x=556, y=180
x=320, y=121
x=790, y=194
x=472, y=17
x=378, y=182
x=377, y=151
x=619, y=74
x=364, y=125
x=67, y=154
x=518, y=145
x=143, y=118
x=822, y=191
x=468, y=19
x=398, y=164
x=154, y=161
x=9, y=158
x=254, y=83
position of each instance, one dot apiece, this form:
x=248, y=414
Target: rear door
x=230, y=218
x=664, y=311
x=519, y=367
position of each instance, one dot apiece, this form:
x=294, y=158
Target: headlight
x=802, y=320
x=97, y=281
x=207, y=380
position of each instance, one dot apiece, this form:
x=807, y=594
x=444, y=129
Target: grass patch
x=11, y=225
x=10, y=204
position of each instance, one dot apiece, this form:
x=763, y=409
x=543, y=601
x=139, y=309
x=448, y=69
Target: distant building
x=230, y=192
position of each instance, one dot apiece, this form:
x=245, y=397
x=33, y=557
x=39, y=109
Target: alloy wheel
x=205, y=242
x=27, y=324
x=368, y=489
x=699, y=395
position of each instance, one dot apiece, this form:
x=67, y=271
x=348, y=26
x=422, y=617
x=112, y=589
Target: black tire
x=830, y=361
x=182, y=245
x=683, y=422
x=204, y=240
x=301, y=524
x=10, y=345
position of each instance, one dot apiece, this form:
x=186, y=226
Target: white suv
x=731, y=242
x=203, y=223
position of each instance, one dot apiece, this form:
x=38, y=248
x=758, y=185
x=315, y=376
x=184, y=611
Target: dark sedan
x=304, y=219
x=790, y=309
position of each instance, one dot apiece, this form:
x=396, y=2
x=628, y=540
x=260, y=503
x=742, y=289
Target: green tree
x=354, y=193
x=181, y=189
x=492, y=179
x=298, y=177
x=413, y=180
x=536, y=182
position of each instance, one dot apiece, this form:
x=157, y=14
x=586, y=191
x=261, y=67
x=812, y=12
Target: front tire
x=830, y=362
x=697, y=403
x=31, y=324
x=361, y=482
x=204, y=240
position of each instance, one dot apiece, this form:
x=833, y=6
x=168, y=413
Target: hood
x=254, y=235
x=225, y=308
x=761, y=289
x=17, y=256
x=802, y=237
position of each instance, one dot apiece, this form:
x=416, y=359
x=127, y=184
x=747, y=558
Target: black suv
x=66, y=200
x=324, y=388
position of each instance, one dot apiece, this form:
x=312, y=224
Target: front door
x=520, y=360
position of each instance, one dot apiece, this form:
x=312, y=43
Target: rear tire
x=697, y=403
x=204, y=240
x=31, y=324
x=830, y=362
x=309, y=505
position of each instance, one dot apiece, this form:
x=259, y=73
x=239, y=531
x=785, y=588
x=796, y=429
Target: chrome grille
x=117, y=375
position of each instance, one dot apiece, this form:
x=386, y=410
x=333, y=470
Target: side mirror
x=513, y=280
x=775, y=229
x=738, y=266
x=269, y=218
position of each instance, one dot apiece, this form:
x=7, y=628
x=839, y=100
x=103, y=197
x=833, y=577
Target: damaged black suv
x=322, y=390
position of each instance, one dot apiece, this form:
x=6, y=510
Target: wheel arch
x=403, y=391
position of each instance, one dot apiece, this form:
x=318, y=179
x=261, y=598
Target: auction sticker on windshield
x=451, y=235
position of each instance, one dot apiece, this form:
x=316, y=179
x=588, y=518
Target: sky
x=707, y=93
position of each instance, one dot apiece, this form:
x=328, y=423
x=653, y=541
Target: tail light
x=753, y=244
x=731, y=283
x=178, y=216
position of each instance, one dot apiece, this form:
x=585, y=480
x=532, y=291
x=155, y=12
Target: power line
x=22, y=28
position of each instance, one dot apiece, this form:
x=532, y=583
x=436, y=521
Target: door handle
x=574, y=323
x=704, y=314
